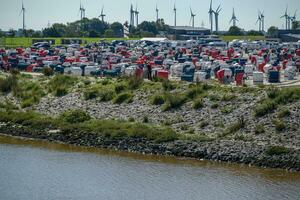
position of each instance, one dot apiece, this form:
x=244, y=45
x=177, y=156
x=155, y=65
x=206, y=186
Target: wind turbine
x=131, y=16
x=259, y=20
x=156, y=10
x=286, y=16
x=192, y=18
x=293, y=18
x=136, y=12
x=217, y=12
x=233, y=18
x=211, y=12
x=102, y=15
x=23, y=14
x=81, y=10
x=262, y=17
x=175, y=12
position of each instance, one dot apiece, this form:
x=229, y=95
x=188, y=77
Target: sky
x=39, y=13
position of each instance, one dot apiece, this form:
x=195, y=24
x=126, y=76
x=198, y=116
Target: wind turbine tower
x=286, y=16
x=262, y=17
x=131, y=16
x=23, y=15
x=175, y=13
x=233, y=18
x=156, y=10
x=259, y=20
x=102, y=15
x=192, y=18
x=211, y=12
x=217, y=13
x=136, y=12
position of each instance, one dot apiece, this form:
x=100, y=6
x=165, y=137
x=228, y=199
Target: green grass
x=279, y=125
x=275, y=98
x=74, y=121
x=196, y=137
x=198, y=103
x=259, y=129
x=276, y=150
x=26, y=42
x=230, y=38
x=125, y=97
x=157, y=99
x=283, y=112
x=233, y=128
x=60, y=84
x=173, y=101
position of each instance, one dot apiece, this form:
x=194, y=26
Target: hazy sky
x=40, y=12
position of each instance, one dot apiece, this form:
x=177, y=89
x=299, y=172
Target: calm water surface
x=35, y=170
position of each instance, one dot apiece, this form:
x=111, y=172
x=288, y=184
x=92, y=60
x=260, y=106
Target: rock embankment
x=219, y=150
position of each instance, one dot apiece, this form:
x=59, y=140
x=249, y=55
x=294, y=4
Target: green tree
x=273, y=31
x=234, y=30
x=296, y=25
x=109, y=33
x=148, y=26
x=254, y=33
x=117, y=29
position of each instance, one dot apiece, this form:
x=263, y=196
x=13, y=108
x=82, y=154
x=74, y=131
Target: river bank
x=219, y=150
x=250, y=125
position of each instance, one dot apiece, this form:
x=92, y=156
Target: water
x=34, y=170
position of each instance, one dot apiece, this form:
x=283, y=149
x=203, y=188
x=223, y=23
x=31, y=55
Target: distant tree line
x=96, y=28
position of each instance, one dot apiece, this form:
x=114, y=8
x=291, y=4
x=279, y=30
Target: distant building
x=187, y=32
x=289, y=35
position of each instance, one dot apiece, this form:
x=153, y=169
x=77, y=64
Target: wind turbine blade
x=218, y=8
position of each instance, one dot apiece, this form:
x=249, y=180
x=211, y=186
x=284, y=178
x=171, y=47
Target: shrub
x=157, y=99
x=226, y=109
x=173, y=101
x=47, y=71
x=279, y=125
x=60, y=91
x=259, y=128
x=7, y=105
x=105, y=81
x=184, y=127
x=131, y=119
x=60, y=84
x=198, y=103
x=120, y=88
x=283, y=113
x=75, y=116
x=276, y=150
x=194, y=91
x=233, y=128
x=214, y=97
x=167, y=85
x=29, y=102
x=228, y=97
x=91, y=93
x=273, y=92
x=134, y=82
x=126, y=97
x=106, y=95
x=265, y=108
x=8, y=84
x=145, y=119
